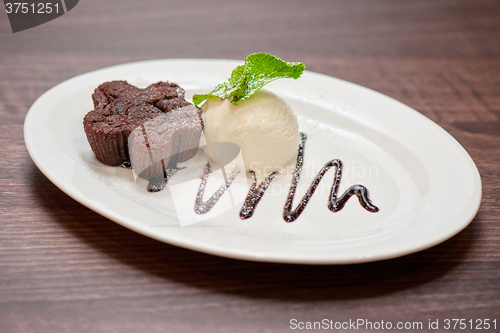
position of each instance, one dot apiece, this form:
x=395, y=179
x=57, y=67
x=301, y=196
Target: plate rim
x=220, y=251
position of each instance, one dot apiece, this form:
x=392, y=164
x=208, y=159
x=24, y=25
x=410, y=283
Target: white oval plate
x=425, y=184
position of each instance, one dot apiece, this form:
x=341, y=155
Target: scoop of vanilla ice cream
x=263, y=126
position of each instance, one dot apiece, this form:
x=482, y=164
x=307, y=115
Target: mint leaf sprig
x=259, y=69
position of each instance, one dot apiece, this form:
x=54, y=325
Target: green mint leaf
x=259, y=69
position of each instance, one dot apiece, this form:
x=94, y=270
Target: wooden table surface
x=64, y=268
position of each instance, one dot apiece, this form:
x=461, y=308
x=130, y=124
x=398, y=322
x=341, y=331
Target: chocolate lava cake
x=170, y=138
x=119, y=108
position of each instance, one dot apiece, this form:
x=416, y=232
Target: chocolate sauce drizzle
x=201, y=207
x=334, y=204
x=256, y=193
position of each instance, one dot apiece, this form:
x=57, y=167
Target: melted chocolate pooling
x=157, y=184
x=126, y=165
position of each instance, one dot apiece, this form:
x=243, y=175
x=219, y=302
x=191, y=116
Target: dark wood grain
x=64, y=268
